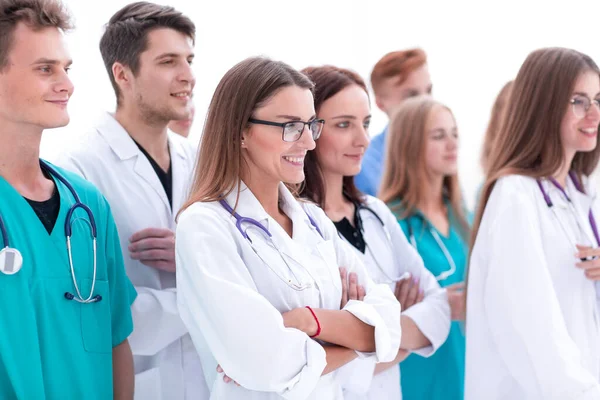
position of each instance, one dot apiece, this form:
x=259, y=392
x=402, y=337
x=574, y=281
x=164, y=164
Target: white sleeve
x=219, y=304
x=379, y=308
x=432, y=315
x=522, y=311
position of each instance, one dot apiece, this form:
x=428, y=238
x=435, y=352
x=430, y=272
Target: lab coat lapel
x=125, y=148
x=182, y=177
x=582, y=203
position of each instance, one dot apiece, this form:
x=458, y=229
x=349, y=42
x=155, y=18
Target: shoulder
x=514, y=188
x=88, y=192
x=203, y=216
x=90, y=148
x=183, y=146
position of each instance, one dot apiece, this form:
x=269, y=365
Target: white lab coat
x=231, y=300
x=166, y=364
x=432, y=315
x=532, y=317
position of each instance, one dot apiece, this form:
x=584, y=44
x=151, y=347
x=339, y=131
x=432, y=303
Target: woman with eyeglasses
x=258, y=278
x=533, y=321
x=342, y=100
x=420, y=185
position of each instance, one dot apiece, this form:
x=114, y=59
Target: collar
x=123, y=145
x=248, y=206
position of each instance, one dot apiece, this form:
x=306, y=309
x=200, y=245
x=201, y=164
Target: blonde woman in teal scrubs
x=420, y=185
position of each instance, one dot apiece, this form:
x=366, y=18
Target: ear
x=245, y=134
x=122, y=75
x=380, y=104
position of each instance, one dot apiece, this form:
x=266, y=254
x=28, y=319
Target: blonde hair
x=405, y=166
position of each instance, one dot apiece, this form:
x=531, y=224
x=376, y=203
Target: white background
x=473, y=49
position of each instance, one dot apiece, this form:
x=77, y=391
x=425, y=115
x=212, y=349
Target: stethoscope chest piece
x=11, y=261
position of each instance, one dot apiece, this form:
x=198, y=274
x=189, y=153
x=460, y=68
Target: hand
x=154, y=247
x=351, y=290
x=590, y=267
x=457, y=300
x=408, y=293
x=226, y=379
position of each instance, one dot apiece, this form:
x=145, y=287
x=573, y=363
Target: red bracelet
x=318, y=323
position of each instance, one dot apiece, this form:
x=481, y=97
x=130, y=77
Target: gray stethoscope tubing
x=446, y=274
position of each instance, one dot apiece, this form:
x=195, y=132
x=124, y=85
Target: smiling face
x=265, y=153
x=35, y=87
x=162, y=88
x=579, y=128
x=345, y=137
x=441, y=142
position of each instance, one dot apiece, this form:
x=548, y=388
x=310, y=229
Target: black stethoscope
x=11, y=259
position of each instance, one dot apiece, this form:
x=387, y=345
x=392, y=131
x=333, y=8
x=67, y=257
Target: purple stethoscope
x=580, y=188
x=250, y=221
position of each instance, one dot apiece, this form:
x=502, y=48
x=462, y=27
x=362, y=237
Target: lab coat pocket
x=96, y=319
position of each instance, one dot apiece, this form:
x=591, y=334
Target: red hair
x=396, y=64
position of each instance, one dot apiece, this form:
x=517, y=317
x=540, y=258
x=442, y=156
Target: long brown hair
x=529, y=141
x=244, y=88
x=496, y=119
x=329, y=81
x=405, y=166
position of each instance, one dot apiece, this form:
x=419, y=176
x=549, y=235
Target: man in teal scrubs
x=51, y=345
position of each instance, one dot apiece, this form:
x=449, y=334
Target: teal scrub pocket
x=96, y=319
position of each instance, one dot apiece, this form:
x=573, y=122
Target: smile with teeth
x=294, y=160
x=589, y=131
x=181, y=94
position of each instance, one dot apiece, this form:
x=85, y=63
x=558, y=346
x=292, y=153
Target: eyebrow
x=175, y=55
x=349, y=117
x=293, y=117
x=50, y=61
x=585, y=94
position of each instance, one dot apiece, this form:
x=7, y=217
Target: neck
x=434, y=194
x=20, y=154
x=267, y=193
x=151, y=135
x=561, y=174
x=334, y=193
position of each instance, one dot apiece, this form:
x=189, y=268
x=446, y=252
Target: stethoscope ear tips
x=69, y=296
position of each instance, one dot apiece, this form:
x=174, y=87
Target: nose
x=306, y=139
x=452, y=142
x=187, y=75
x=64, y=84
x=362, y=137
x=593, y=113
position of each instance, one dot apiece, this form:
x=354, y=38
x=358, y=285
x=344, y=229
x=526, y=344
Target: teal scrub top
x=440, y=376
x=52, y=348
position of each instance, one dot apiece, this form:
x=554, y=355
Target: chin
x=293, y=180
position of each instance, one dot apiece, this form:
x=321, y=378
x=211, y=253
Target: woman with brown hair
x=341, y=99
x=533, y=329
x=421, y=187
x=258, y=278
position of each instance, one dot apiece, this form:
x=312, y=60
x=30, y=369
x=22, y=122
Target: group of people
x=289, y=256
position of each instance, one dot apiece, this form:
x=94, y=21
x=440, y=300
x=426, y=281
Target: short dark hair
x=126, y=34
x=329, y=81
x=36, y=14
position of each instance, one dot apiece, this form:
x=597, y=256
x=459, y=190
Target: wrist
x=312, y=325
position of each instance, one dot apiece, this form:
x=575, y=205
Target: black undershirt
x=353, y=234
x=165, y=178
x=47, y=211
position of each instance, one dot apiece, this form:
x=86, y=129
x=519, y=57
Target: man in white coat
x=145, y=171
